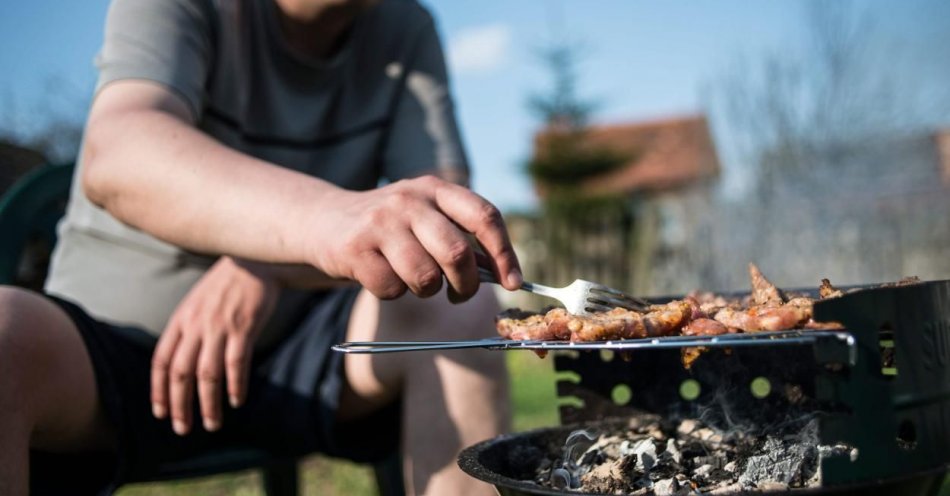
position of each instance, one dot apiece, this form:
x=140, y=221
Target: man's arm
x=151, y=168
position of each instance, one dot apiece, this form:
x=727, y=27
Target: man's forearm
x=296, y=276
x=152, y=169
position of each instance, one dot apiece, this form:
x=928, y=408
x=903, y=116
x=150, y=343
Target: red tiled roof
x=666, y=154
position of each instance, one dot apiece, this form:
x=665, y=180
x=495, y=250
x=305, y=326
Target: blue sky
x=646, y=59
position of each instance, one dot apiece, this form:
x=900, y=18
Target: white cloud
x=479, y=49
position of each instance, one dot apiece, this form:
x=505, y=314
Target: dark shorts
x=290, y=411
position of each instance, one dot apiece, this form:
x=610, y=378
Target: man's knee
x=27, y=335
x=15, y=307
x=44, y=367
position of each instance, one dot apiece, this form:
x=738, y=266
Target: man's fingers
x=376, y=275
x=181, y=386
x=161, y=362
x=210, y=374
x=451, y=249
x=413, y=264
x=481, y=218
x=237, y=363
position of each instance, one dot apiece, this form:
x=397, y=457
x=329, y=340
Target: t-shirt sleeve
x=424, y=135
x=166, y=41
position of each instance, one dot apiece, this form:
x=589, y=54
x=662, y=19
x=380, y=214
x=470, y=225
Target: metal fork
x=580, y=297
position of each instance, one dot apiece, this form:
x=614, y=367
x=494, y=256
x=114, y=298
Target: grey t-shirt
x=379, y=109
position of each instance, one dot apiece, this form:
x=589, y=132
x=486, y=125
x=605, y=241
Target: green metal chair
x=29, y=212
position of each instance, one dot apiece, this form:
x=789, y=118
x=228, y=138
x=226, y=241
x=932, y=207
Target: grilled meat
x=764, y=293
x=557, y=324
x=698, y=314
x=758, y=319
x=706, y=327
x=826, y=290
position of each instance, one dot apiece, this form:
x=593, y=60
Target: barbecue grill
x=881, y=387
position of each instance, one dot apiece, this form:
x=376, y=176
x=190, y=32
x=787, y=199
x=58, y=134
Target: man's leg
x=451, y=399
x=48, y=397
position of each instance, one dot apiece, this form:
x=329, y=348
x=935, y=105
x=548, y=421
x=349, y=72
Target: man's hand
x=407, y=235
x=210, y=337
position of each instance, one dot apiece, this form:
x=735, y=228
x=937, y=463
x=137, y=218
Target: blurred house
x=667, y=186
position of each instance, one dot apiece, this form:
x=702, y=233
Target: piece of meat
x=691, y=354
x=519, y=325
x=764, y=293
x=667, y=320
x=758, y=319
x=696, y=308
x=825, y=326
x=705, y=327
x=826, y=290
x=615, y=324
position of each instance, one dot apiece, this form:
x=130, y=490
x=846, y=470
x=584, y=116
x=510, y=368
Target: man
x=226, y=192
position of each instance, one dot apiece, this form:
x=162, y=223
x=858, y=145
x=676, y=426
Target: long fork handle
x=485, y=275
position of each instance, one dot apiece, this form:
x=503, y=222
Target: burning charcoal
x=611, y=477
x=732, y=488
x=687, y=426
x=656, y=432
x=732, y=466
x=714, y=460
x=703, y=471
x=665, y=487
x=626, y=448
x=778, y=463
x=608, y=446
x=772, y=486
x=664, y=468
x=704, y=433
x=674, y=451
x=594, y=456
x=692, y=449
x=646, y=454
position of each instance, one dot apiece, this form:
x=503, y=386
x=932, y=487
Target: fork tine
x=591, y=307
x=615, y=292
x=615, y=302
x=617, y=298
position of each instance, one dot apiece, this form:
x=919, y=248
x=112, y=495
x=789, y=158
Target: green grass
x=533, y=404
x=533, y=395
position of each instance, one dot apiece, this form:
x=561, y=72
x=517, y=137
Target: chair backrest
x=29, y=212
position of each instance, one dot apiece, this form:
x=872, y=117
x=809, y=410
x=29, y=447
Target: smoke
x=568, y=475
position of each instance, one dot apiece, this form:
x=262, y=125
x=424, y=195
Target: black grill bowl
x=508, y=462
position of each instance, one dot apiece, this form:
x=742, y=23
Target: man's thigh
x=374, y=380
x=42, y=351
